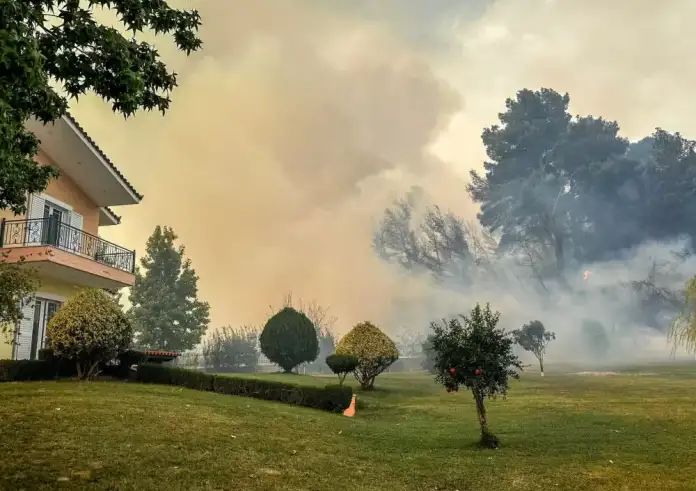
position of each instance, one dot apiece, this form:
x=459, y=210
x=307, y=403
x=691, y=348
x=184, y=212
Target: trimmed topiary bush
x=89, y=329
x=289, y=339
x=331, y=398
x=342, y=365
x=375, y=350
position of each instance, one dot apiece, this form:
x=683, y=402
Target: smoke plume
x=299, y=122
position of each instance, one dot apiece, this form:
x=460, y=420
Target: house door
x=53, y=217
x=43, y=311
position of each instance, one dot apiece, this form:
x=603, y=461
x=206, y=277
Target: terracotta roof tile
x=109, y=210
x=161, y=353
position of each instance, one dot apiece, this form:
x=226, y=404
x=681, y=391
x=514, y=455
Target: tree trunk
x=488, y=439
x=481, y=412
x=560, y=261
x=541, y=365
x=367, y=383
x=559, y=253
x=93, y=370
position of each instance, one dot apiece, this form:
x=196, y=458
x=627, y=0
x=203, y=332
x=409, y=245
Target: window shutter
x=36, y=207
x=73, y=238
x=76, y=220
x=26, y=325
x=35, y=227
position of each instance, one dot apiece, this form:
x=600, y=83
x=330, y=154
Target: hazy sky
x=302, y=119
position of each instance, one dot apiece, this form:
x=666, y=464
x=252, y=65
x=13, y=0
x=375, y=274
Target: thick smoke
x=300, y=122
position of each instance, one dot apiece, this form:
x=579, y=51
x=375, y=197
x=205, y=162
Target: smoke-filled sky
x=300, y=120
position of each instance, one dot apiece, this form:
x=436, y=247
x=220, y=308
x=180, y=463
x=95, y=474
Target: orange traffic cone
x=350, y=412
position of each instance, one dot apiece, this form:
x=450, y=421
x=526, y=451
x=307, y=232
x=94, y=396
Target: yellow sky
x=296, y=125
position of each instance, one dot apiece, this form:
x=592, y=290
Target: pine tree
x=165, y=309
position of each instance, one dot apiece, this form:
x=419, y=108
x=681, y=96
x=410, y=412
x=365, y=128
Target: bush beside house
x=90, y=329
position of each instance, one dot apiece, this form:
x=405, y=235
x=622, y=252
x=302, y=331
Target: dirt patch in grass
x=622, y=374
x=598, y=374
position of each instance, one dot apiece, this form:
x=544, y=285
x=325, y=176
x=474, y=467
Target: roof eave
x=102, y=157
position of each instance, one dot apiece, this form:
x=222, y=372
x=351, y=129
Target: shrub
x=534, y=337
x=232, y=350
x=89, y=329
x=372, y=347
x=25, y=370
x=342, y=365
x=471, y=351
x=682, y=331
x=61, y=366
x=330, y=398
x=156, y=373
x=289, y=339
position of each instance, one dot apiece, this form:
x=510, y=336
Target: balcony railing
x=51, y=232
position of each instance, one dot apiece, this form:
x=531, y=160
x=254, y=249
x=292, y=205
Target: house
x=59, y=235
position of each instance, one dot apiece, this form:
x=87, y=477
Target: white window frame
x=58, y=203
x=44, y=297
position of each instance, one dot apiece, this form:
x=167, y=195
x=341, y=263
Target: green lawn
x=633, y=431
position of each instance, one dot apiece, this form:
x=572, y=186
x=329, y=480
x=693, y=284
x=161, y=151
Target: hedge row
x=25, y=370
x=48, y=367
x=332, y=398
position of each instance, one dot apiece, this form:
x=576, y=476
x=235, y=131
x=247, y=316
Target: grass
x=631, y=432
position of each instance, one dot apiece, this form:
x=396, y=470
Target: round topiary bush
x=289, y=339
x=342, y=365
x=375, y=350
x=89, y=329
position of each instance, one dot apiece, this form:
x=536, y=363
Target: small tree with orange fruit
x=471, y=351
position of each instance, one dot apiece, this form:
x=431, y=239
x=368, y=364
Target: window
x=43, y=311
x=54, y=217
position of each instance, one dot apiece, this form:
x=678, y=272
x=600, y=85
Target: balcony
x=67, y=253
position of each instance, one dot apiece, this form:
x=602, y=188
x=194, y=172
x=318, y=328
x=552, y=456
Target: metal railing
x=50, y=231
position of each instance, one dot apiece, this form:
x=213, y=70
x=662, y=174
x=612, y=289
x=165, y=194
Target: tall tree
x=395, y=240
x=164, y=299
x=437, y=242
x=539, y=158
x=670, y=187
x=58, y=41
